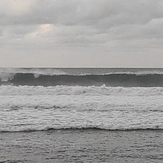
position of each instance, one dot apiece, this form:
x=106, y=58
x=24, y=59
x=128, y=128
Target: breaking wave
x=80, y=90
x=113, y=79
x=156, y=128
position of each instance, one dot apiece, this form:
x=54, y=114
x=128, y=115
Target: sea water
x=83, y=101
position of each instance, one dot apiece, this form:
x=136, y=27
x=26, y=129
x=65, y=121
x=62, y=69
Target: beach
x=84, y=146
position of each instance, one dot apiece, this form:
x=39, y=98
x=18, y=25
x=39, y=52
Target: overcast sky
x=81, y=33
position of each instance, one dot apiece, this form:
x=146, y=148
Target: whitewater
x=26, y=105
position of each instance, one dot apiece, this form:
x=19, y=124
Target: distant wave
x=121, y=79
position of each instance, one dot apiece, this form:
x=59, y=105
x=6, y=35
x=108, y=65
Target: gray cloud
x=72, y=12
x=111, y=28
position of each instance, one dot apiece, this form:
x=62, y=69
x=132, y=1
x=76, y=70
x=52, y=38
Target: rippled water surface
x=82, y=146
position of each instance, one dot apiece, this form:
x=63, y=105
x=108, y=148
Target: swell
x=156, y=128
x=126, y=80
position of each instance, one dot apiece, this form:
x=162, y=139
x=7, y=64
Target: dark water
x=125, y=80
x=83, y=77
x=82, y=146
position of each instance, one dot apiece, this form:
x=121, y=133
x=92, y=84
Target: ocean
x=81, y=115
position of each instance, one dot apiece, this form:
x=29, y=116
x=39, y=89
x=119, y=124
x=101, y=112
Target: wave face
x=53, y=77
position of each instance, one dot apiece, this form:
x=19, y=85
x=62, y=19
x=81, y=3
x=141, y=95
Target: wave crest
x=156, y=128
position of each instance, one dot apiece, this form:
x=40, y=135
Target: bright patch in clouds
x=42, y=31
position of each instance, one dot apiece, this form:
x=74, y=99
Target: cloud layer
x=81, y=33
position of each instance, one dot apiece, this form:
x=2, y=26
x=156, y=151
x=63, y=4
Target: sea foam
x=26, y=108
x=80, y=90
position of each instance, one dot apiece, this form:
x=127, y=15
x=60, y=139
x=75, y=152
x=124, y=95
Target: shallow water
x=82, y=146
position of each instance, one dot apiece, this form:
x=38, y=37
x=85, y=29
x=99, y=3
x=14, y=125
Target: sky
x=81, y=33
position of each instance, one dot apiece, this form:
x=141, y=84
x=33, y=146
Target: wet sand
x=82, y=146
